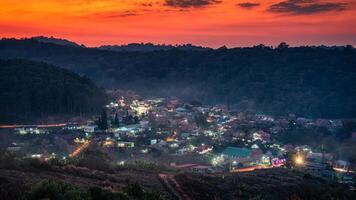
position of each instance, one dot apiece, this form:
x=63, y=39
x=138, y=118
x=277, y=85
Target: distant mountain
x=306, y=81
x=30, y=91
x=57, y=41
x=148, y=47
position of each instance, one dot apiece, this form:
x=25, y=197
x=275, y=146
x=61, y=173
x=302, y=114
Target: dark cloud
x=190, y=3
x=113, y=15
x=146, y=4
x=248, y=5
x=300, y=7
x=128, y=13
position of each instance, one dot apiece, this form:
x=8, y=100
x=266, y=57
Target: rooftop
x=236, y=152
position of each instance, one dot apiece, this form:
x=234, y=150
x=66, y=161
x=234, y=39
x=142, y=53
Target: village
x=184, y=136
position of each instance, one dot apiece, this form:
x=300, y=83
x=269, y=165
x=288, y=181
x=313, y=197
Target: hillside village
x=186, y=137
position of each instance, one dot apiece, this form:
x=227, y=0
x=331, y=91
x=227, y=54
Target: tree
x=283, y=45
x=49, y=189
x=116, y=120
x=103, y=121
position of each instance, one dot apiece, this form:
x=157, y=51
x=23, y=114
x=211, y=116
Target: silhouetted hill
x=307, y=81
x=148, y=47
x=31, y=90
x=55, y=41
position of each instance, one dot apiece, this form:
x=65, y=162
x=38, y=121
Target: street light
x=299, y=160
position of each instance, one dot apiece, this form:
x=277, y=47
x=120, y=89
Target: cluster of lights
x=112, y=105
x=217, y=160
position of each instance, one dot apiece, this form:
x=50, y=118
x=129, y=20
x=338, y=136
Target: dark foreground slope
x=31, y=90
x=266, y=184
x=35, y=180
x=307, y=81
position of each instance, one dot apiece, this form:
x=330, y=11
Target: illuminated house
x=90, y=128
x=29, y=130
x=121, y=144
x=262, y=136
x=203, y=149
x=108, y=143
x=131, y=130
x=80, y=140
x=140, y=107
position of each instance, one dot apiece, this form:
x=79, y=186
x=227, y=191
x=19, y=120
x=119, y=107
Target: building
x=30, y=130
x=122, y=144
x=90, y=128
x=15, y=146
x=236, y=153
x=204, y=148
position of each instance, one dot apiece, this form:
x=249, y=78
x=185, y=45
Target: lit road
x=342, y=170
x=80, y=149
x=35, y=125
x=249, y=169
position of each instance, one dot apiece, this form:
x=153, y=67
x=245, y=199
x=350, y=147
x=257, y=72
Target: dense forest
x=31, y=90
x=306, y=81
x=149, y=47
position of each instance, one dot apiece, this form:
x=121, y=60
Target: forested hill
x=30, y=91
x=149, y=47
x=307, y=81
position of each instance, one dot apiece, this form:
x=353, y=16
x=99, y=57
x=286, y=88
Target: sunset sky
x=202, y=22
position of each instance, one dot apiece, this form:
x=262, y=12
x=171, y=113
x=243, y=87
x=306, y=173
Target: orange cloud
x=203, y=22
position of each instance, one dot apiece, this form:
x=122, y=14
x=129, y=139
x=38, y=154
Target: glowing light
x=343, y=170
x=299, y=160
x=339, y=169
x=217, y=160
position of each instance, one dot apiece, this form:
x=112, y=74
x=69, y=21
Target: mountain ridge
x=306, y=81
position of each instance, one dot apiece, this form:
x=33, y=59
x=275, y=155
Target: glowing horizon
x=211, y=23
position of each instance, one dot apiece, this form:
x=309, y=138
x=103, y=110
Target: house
x=184, y=135
x=122, y=144
x=128, y=130
x=90, y=128
x=262, y=136
x=30, y=130
x=204, y=148
x=15, y=146
x=108, y=143
x=182, y=151
x=181, y=110
x=153, y=141
x=236, y=152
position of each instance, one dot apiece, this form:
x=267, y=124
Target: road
x=174, y=187
x=34, y=125
x=80, y=149
x=249, y=169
